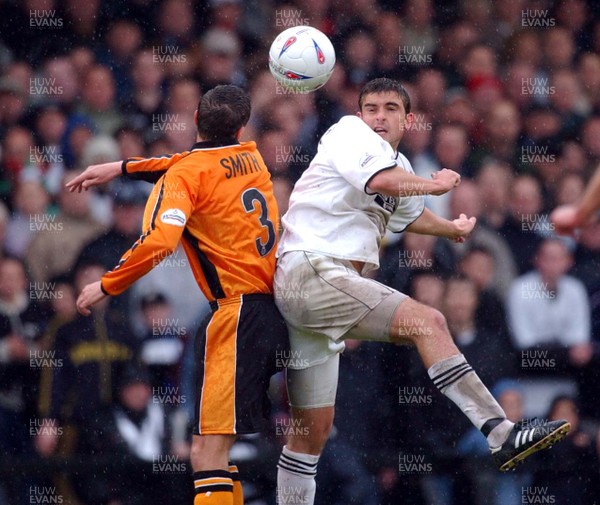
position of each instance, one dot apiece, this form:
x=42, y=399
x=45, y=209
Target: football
x=301, y=58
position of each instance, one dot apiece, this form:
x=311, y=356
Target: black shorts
x=238, y=349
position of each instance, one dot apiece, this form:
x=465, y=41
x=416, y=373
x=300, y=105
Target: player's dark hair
x=382, y=85
x=222, y=111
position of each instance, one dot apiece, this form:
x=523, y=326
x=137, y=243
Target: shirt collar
x=208, y=144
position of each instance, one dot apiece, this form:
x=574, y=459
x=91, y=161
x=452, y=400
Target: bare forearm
x=429, y=223
x=114, y=168
x=110, y=170
x=95, y=175
x=399, y=183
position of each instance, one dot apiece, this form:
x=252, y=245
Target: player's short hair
x=222, y=111
x=381, y=85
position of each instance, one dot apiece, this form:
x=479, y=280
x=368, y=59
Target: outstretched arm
x=429, y=223
x=162, y=233
x=400, y=183
x=95, y=175
x=567, y=218
x=146, y=169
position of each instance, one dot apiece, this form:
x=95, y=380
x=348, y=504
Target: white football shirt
x=331, y=211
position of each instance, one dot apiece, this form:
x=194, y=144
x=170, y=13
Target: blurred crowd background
x=97, y=410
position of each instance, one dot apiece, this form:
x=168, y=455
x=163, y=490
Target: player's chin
x=389, y=138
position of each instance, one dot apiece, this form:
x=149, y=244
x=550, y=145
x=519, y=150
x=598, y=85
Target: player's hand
x=89, y=295
x=95, y=175
x=565, y=220
x=447, y=179
x=463, y=226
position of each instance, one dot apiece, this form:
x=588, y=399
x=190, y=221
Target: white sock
x=455, y=378
x=296, y=477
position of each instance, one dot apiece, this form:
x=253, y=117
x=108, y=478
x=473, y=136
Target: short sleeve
x=408, y=211
x=356, y=152
x=409, y=207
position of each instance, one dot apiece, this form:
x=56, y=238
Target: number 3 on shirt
x=248, y=198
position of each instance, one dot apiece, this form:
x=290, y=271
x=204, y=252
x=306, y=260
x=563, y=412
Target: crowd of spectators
x=507, y=93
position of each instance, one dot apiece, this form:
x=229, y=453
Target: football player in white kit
x=357, y=186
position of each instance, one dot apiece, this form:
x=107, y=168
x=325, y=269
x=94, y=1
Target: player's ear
x=196, y=117
x=409, y=120
x=239, y=133
x=359, y=114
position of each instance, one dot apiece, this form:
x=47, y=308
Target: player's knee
x=438, y=322
x=312, y=438
x=324, y=430
x=430, y=323
x=435, y=325
x=318, y=434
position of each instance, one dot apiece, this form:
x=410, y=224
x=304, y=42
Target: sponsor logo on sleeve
x=175, y=217
x=366, y=159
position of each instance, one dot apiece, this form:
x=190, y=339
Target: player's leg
x=235, y=355
x=426, y=328
x=314, y=428
x=297, y=467
x=214, y=425
x=312, y=397
x=263, y=345
x=321, y=299
x=238, y=492
x=213, y=483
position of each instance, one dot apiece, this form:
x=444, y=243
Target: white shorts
x=324, y=300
